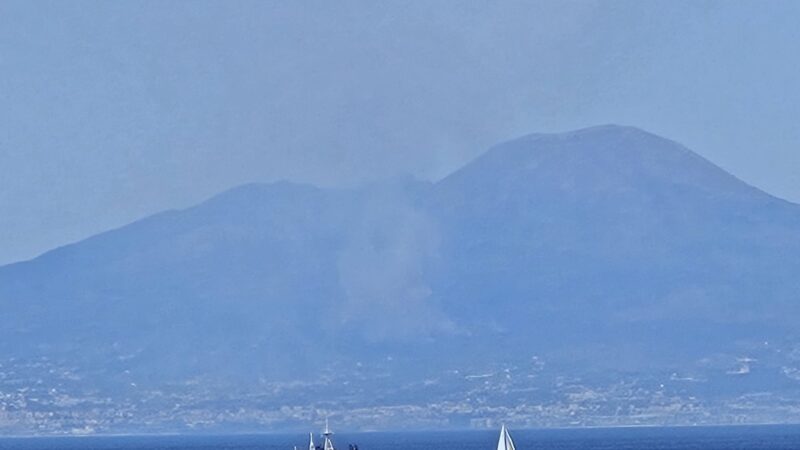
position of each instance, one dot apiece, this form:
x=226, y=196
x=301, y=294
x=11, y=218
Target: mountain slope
x=612, y=225
x=602, y=251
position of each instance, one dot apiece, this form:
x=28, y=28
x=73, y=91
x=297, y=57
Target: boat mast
x=327, y=434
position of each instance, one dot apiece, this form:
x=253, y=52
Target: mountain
x=552, y=266
x=619, y=234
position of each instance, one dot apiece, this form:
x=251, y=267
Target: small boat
x=326, y=435
x=505, y=442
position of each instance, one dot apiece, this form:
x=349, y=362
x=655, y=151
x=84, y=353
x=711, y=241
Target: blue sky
x=115, y=110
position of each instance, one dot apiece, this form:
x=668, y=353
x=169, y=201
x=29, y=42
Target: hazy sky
x=110, y=111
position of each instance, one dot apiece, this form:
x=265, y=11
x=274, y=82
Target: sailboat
x=327, y=435
x=505, y=442
x=327, y=441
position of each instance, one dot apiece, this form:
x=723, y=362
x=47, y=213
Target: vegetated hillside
x=602, y=249
x=616, y=241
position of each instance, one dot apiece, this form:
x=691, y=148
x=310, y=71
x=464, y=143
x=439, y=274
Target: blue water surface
x=694, y=438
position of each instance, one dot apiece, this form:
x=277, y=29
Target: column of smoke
x=382, y=271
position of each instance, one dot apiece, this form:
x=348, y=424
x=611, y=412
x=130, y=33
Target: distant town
x=42, y=397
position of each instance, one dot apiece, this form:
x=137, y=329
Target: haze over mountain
x=600, y=253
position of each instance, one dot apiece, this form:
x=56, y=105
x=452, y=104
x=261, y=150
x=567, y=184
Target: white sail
x=311, y=441
x=505, y=442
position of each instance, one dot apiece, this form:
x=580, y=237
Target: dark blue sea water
x=695, y=438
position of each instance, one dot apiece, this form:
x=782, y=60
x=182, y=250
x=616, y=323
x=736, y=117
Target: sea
x=773, y=437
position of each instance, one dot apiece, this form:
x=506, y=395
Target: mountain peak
x=597, y=133
x=603, y=141
x=598, y=159
x=609, y=129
